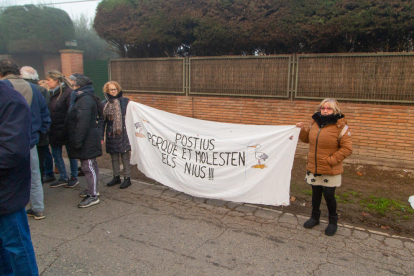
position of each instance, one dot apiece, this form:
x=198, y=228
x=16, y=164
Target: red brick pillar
x=72, y=62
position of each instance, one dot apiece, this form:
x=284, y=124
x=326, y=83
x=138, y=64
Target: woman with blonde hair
x=60, y=100
x=329, y=144
x=114, y=130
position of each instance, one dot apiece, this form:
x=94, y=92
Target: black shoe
x=114, y=181
x=36, y=215
x=332, y=226
x=313, y=221
x=60, y=182
x=89, y=201
x=126, y=183
x=48, y=178
x=72, y=182
x=85, y=193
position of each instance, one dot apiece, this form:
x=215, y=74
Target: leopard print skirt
x=323, y=179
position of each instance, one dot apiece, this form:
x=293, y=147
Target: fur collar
x=326, y=120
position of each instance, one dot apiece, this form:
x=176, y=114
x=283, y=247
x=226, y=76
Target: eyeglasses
x=326, y=108
x=113, y=89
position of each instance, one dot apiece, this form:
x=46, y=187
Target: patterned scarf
x=112, y=112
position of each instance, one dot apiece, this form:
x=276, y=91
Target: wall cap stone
x=71, y=51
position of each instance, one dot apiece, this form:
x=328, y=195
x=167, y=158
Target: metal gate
x=97, y=70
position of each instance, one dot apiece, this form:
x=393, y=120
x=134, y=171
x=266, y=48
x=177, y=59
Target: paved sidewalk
x=153, y=230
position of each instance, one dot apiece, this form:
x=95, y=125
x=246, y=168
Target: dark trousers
x=45, y=161
x=329, y=194
x=90, y=169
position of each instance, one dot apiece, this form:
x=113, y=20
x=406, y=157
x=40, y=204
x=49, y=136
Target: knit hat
x=74, y=76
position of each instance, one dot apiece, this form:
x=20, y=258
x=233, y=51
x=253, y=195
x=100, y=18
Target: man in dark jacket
x=16, y=250
x=29, y=74
x=10, y=74
x=84, y=136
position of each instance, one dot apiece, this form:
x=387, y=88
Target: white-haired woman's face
x=52, y=83
x=326, y=109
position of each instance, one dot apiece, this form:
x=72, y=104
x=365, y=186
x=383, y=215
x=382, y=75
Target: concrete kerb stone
x=288, y=218
x=216, y=202
x=184, y=197
x=266, y=214
x=199, y=200
x=247, y=209
x=379, y=233
x=233, y=205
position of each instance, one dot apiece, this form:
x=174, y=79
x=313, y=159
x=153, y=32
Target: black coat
x=59, y=106
x=117, y=143
x=82, y=125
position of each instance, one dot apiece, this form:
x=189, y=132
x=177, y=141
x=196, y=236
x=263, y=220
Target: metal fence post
x=292, y=75
x=187, y=76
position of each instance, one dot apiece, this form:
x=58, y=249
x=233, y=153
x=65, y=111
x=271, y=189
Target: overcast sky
x=73, y=7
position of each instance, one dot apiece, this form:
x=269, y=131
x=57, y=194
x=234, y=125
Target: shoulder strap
x=343, y=132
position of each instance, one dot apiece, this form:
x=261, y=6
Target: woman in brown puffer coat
x=329, y=144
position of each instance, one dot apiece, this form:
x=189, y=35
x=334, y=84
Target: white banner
x=242, y=163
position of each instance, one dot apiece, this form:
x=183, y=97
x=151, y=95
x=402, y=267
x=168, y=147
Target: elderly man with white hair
x=29, y=74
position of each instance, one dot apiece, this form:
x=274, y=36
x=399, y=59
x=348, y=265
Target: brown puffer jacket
x=326, y=153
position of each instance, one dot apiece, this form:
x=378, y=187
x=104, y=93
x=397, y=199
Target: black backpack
x=99, y=107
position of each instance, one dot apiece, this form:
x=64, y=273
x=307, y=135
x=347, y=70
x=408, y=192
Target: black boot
x=114, y=181
x=126, y=183
x=332, y=226
x=313, y=221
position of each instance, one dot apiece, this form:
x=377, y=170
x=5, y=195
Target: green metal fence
x=97, y=70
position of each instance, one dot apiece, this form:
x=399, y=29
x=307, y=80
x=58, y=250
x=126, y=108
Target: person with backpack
x=84, y=136
x=330, y=143
x=114, y=130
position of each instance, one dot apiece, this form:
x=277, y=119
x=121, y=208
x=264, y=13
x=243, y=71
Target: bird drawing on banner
x=140, y=128
x=260, y=156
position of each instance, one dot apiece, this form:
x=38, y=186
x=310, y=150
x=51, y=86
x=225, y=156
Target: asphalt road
x=153, y=230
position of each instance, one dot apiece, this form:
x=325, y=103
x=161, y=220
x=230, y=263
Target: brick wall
x=72, y=62
x=380, y=132
x=50, y=62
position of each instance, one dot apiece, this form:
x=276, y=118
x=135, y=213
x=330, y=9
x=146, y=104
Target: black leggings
x=329, y=194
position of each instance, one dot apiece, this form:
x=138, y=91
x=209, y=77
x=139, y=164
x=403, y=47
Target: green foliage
x=25, y=29
x=155, y=28
x=109, y=5
x=383, y=205
x=307, y=192
x=93, y=47
x=145, y=28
